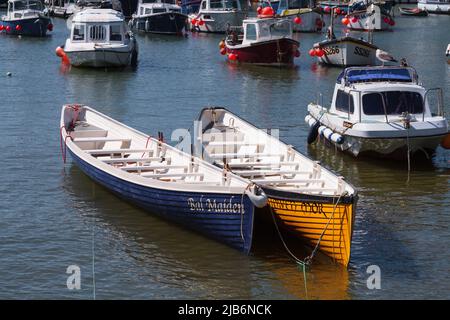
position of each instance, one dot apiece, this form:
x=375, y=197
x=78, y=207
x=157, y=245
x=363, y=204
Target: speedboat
x=435, y=6
x=216, y=16
x=304, y=198
x=261, y=41
x=305, y=17
x=99, y=38
x=159, y=16
x=344, y=51
x=380, y=111
x=25, y=18
x=159, y=178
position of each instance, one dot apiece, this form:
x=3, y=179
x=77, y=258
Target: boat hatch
x=376, y=74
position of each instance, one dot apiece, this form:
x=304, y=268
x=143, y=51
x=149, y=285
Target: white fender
x=257, y=196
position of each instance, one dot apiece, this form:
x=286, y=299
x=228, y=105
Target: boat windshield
x=396, y=102
x=293, y=4
x=280, y=29
x=31, y=4
x=224, y=4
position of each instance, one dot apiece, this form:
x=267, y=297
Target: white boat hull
x=390, y=139
x=216, y=22
x=369, y=20
x=347, y=52
x=435, y=7
x=108, y=55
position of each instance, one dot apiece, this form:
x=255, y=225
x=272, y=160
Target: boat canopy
x=220, y=5
x=378, y=74
x=98, y=15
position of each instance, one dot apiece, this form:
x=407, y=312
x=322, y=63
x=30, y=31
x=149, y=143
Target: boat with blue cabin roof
x=381, y=111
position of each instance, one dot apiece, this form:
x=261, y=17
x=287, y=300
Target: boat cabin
x=20, y=9
x=258, y=30
x=220, y=5
x=99, y=26
x=150, y=7
x=365, y=94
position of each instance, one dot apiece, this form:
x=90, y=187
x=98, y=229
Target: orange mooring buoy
x=445, y=143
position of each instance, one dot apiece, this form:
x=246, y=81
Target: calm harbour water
x=51, y=214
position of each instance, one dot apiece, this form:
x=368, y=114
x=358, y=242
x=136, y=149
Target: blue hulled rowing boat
x=160, y=178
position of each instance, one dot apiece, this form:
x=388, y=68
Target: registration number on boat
x=361, y=52
x=331, y=50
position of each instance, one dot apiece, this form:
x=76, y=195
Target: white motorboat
x=217, y=16
x=344, y=51
x=435, y=6
x=374, y=17
x=381, y=111
x=100, y=38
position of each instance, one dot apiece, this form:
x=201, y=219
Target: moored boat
x=326, y=6
x=159, y=16
x=344, y=51
x=61, y=8
x=305, y=17
x=435, y=6
x=304, y=198
x=380, y=111
x=216, y=16
x=415, y=12
x=261, y=41
x=99, y=38
x=375, y=17
x=25, y=18
x=159, y=178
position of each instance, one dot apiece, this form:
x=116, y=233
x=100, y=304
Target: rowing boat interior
x=135, y=153
x=249, y=152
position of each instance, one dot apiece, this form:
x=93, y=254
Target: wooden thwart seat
x=156, y=167
x=101, y=139
x=243, y=155
x=114, y=151
x=167, y=175
x=145, y=159
x=285, y=181
x=261, y=164
x=269, y=172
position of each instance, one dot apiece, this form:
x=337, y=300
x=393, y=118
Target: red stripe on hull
x=272, y=52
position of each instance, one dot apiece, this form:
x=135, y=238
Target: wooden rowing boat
x=305, y=198
x=160, y=178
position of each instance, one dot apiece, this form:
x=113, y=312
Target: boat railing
x=440, y=102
